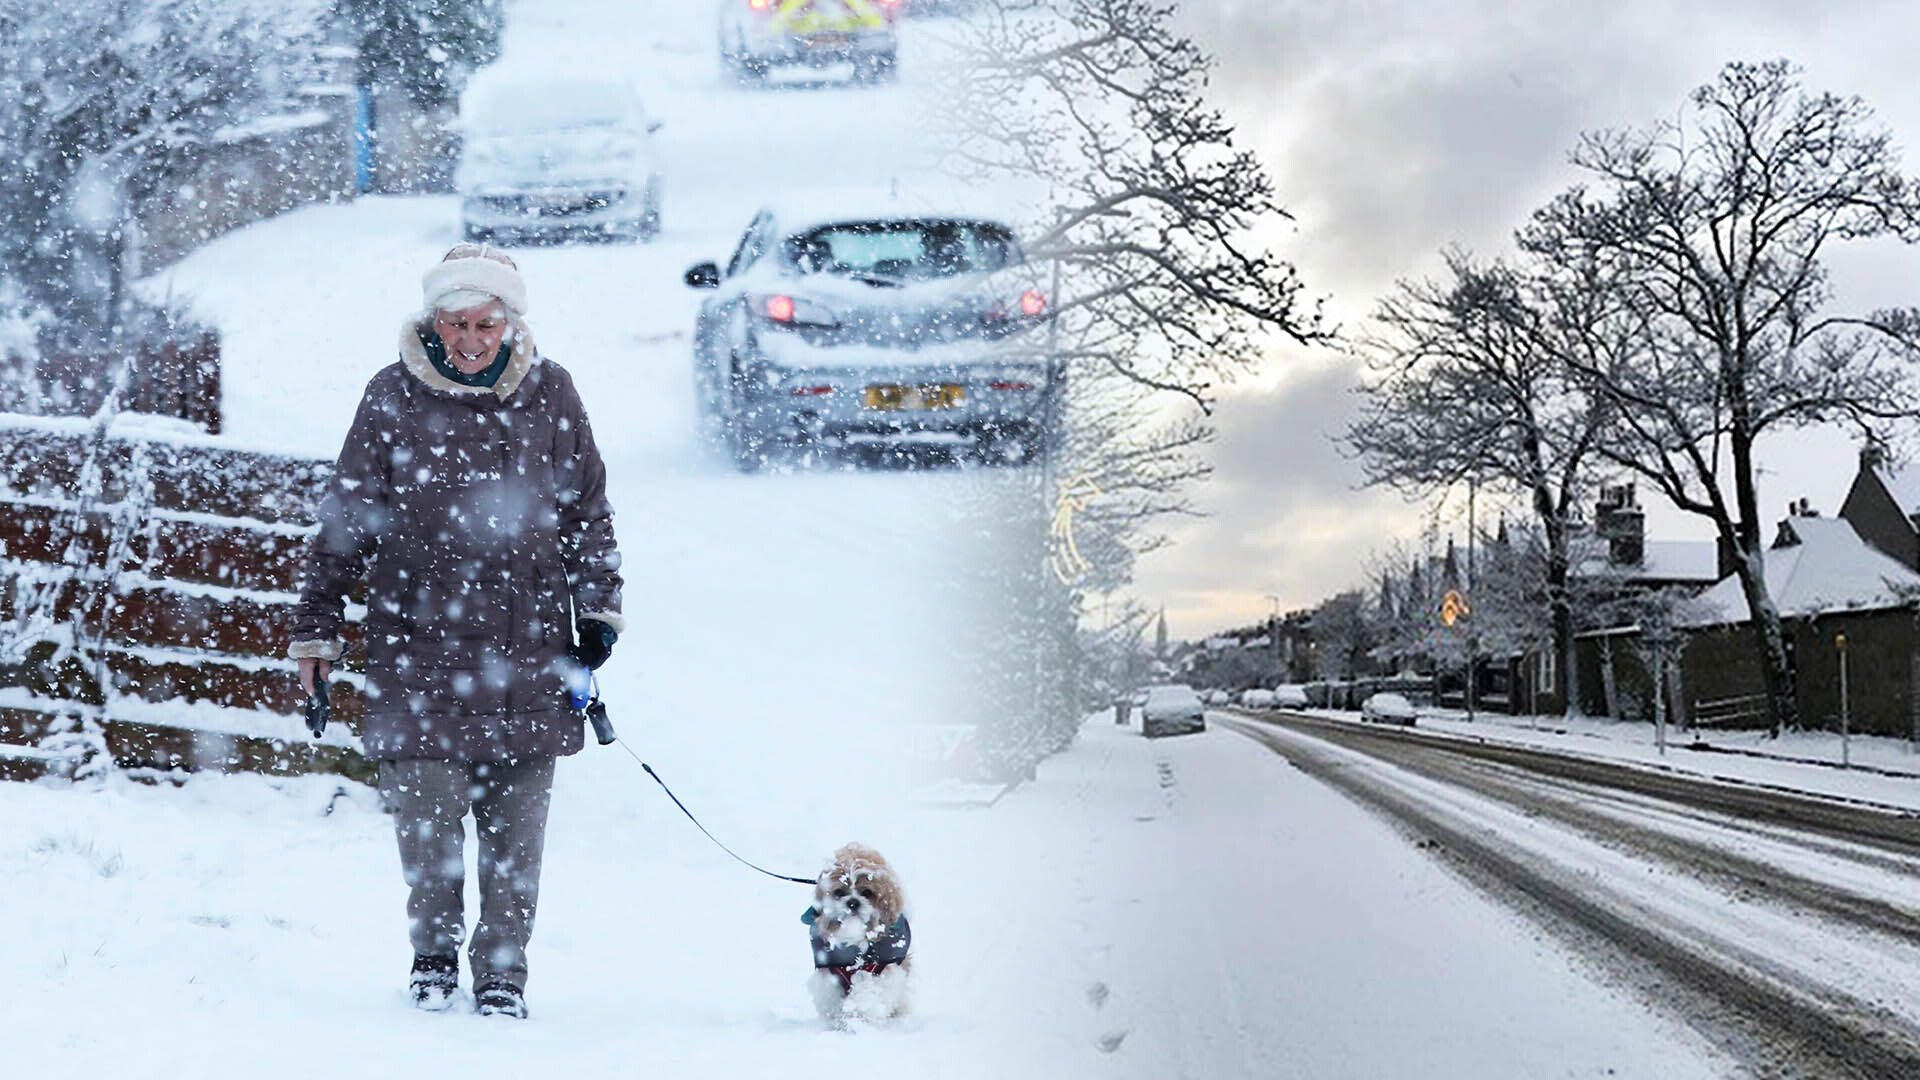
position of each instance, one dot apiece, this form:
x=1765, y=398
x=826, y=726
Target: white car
x=1171, y=710
x=1388, y=709
x=548, y=155
x=1218, y=697
x=1289, y=696
x=1256, y=699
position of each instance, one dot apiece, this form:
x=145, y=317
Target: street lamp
x=1273, y=629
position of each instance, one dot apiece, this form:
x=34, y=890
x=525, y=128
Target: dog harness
x=875, y=956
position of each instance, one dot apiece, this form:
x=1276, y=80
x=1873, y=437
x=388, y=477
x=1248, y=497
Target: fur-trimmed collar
x=413, y=356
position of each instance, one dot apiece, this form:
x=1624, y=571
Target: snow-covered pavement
x=1188, y=907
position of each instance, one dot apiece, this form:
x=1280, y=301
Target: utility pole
x=1846, y=749
x=1473, y=487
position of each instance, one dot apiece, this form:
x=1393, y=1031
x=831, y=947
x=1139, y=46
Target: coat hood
x=413, y=356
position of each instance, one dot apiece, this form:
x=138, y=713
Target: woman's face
x=472, y=335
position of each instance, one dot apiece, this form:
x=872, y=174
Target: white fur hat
x=474, y=269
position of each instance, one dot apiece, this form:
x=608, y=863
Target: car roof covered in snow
x=1816, y=565
x=524, y=96
x=799, y=213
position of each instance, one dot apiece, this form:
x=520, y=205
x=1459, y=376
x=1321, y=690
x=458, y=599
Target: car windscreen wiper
x=876, y=279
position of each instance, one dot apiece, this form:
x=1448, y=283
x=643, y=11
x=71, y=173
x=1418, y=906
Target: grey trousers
x=430, y=801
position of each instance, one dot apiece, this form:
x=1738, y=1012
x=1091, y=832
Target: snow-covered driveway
x=780, y=627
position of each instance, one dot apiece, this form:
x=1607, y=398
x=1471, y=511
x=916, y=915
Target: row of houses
x=1846, y=582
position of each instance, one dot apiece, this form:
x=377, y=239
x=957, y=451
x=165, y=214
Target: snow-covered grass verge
x=1800, y=761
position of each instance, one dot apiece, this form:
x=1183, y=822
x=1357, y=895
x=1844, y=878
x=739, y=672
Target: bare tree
x=1342, y=635
x=1702, y=243
x=1468, y=380
x=1148, y=215
x=95, y=95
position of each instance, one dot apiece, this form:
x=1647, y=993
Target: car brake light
x=780, y=308
x=1033, y=302
x=811, y=391
x=1009, y=385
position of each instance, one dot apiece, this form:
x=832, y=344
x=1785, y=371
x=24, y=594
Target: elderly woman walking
x=471, y=495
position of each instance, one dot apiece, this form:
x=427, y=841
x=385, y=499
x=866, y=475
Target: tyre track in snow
x=1643, y=907
x=1631, y=823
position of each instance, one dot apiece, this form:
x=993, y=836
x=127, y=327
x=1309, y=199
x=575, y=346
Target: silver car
x=556, y=156
x=873, y=326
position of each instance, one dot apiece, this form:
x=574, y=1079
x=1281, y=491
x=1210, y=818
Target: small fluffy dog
x=858, y=929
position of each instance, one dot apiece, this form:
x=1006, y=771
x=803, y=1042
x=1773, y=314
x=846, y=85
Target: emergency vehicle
x=757, y=36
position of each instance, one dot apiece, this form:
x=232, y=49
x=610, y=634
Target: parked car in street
x=863, y=322
x=1388, y=709
x=1217, y=697
x=1171, y=710
x=1289, y=696
x=551, y=155
x=757, y=36
x=1256, y=698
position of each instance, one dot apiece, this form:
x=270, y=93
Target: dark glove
x=593, y=643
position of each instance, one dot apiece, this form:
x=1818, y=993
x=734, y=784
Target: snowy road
x=1793, y=940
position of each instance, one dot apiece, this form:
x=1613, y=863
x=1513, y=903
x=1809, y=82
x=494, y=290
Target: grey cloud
x=1396, y=127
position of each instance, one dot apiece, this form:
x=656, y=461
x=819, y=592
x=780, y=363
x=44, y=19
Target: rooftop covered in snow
x=1816, y=565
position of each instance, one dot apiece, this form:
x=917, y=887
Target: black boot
x=434, y=980
x=495, y=996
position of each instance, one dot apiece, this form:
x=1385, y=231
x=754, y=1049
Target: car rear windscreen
x=903, y=250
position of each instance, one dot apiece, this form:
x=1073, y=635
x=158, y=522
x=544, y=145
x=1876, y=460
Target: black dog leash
x=596, y=712
x=319, y=710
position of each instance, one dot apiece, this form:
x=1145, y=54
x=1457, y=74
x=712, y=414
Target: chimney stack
x=1617, y=519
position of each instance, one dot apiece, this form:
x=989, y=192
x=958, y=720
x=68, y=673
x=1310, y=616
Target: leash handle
x=602, y=727
x=703, y=828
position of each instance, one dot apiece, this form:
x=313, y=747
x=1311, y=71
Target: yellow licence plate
x=898, y=398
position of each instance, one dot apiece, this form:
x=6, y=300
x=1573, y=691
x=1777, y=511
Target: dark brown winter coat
x=479, y=516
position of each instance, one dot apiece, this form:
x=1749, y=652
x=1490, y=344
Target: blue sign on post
x=362, y=139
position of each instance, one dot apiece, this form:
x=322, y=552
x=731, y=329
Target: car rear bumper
x=820, y=50
x=976, y=397
x=1153, y=726
x=554, y=209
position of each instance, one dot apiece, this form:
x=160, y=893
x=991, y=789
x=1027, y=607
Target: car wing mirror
x=705, y=275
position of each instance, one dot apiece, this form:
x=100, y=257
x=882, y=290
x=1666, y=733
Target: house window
x=1544, y=673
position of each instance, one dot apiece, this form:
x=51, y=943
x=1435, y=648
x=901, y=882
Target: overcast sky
x=1394, y=128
